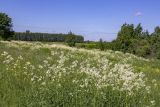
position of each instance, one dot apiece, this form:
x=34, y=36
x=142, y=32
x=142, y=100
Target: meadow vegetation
x=35, y=74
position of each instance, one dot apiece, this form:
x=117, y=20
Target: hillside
x=37, y=74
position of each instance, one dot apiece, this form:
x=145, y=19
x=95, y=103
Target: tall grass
x=42, y=75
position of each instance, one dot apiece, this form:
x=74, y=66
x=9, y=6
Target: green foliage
x=101, y=45
x=5, y=26
x=134, y=40
x=1, y=38
x=80, y=45
x=88, y=45
x=125, y=36
x=71, y=39
x=91, y=46
x=157, y=30
x=138, y=31
x=45, y=37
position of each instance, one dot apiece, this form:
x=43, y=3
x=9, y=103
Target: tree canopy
x=6, y=30
x=135, y=40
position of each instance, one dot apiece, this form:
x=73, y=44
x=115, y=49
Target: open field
x=33, y=74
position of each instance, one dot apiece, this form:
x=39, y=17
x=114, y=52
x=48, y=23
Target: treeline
x=131, y=39
x=46, y=37
x=7, y=33
x=136, y=40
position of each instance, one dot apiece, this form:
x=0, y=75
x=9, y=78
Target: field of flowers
x=53, y=75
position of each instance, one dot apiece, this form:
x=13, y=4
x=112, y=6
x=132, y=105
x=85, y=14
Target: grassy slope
x=36, y=53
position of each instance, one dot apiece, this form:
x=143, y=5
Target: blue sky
x=92, y=18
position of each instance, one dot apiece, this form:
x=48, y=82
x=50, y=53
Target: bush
x=101, y=45
x=80, y=45
x=71, y=40
x=91, y=46
x=1, y=38
x=71, y=44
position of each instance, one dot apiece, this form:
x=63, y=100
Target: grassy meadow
x=34, y=74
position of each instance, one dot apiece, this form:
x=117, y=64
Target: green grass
x=37, y=74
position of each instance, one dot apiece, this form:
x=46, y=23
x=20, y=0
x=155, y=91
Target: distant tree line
x=7, y=33
x=46, y=37
x=130, y=39
x=137, y=41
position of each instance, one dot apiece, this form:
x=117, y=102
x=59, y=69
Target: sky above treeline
x=94, y=19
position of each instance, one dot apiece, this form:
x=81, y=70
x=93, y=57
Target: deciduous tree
x=6, y=30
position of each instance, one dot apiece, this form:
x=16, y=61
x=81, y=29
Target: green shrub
x=80, y=45
x=1, y=38
x=91, y=46
x=71, y=44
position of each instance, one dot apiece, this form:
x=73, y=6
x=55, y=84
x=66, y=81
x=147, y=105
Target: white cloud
x=138, y=13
